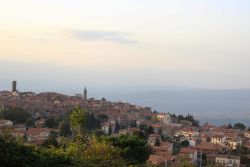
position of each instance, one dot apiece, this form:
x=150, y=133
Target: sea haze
x=215, y=106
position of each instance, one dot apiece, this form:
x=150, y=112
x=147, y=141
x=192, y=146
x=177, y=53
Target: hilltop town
x=171, y=138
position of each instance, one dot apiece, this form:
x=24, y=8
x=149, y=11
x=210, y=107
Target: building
x=227, y=160
x=165, y=149
x=40, y=123
x=164, y=118
x=155, y=160
x=208, y=148
x=4, y=123
x=218, y=139
x=106, y=127
x=14, y=84
x=38, y=133
x=85, y=93
x=152, y=139
x=189, y=155
x=156, y=128
x=189, y=134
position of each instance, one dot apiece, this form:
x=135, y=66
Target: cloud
x=112, y=36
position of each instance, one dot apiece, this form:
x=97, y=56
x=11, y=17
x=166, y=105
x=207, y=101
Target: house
x=204, y=137
x=40, y=123
x=19, y=130
x=155, y=160
x=106, y=127
x=164, y=118
x=208, y=148
x=210, y=158
x=188, y=154
x=227, y=160
x=156, y=128
x=38, y=133
x=152, y=139
x=188, y=133
x=218, y=139
x=4, y=123
x=169, y=130
x=165, y=149
x=207, y=127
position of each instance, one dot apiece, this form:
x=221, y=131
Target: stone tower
x=85, y=93
x=14, y=86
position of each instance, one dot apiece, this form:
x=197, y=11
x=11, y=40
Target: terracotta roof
x=187, y=150
x=39, y=130
x=155, y=159
x=156, y=126
x=36, y=142
x=207, y=146
x=218, y=136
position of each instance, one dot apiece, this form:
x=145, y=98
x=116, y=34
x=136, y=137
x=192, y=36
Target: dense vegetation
x=81, y=148
x=16, y=115
x=16, y=154
x=133, y=149
x=189, y=117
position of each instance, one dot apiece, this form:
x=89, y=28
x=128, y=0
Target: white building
x=227, y=160
x=106, y=127
x=218, y=139
x=5, y=123
x=188, y=134
x=164, y=118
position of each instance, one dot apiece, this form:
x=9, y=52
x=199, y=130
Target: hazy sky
x=62, y=45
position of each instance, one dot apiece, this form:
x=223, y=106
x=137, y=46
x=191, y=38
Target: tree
x=239, y=126
x=51, y=141
x=132, y=124
x=185, y=143
x=64, y=127
x=186, y=164
x=117, y=127
x=180, y=117
x=30, y=122
x=77, y=121
x=102, y=154
x=15, y=154
x=195, y=123
x=51, y=123
x=147, y=130
x=157, y=142
x=244, y=160
x=102, y=117
x=133, y=149
x=230, y=126
x=17, y=115
x=91, y=122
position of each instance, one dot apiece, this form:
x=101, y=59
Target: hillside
x=216, y=106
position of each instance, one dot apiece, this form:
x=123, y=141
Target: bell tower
x=85, y=93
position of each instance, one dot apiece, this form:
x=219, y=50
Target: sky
x=63, y=45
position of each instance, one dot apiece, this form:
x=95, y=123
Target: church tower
x=85, y=93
